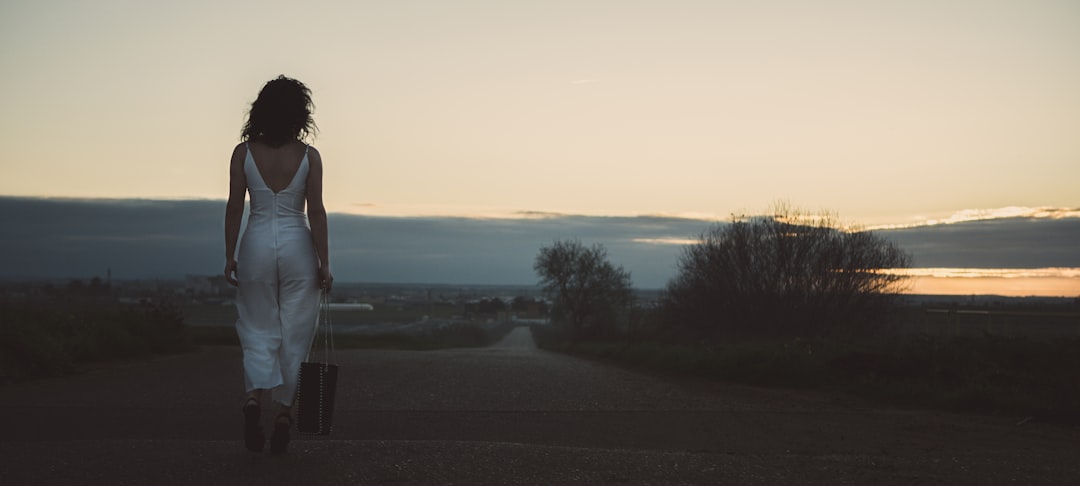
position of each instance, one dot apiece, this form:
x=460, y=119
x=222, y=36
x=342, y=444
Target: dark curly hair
x=281, y=114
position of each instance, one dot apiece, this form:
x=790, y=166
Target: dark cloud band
x=57, y=238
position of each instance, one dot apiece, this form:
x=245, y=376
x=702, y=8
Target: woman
x=282, y=261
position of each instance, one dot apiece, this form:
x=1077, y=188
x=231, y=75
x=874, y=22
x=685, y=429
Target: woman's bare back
x=277, y=165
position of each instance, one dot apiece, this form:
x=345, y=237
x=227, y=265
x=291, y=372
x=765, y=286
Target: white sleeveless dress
x=278, y=293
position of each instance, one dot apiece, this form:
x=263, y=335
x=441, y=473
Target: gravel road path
x=508, y=414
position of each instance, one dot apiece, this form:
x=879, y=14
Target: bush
x=28, y=350
x=788, y=274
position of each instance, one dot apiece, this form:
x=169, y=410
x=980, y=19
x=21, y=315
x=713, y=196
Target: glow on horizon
x=497, y=212
x=1009, y=282
x=1006, y=273
x=1008, y=287
x=667, y=241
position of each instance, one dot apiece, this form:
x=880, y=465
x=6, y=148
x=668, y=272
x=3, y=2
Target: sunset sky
x=888, y=113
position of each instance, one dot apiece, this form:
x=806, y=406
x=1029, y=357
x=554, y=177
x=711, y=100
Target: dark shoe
x=254, y=439
x=279, y=440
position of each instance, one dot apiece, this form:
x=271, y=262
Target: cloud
x=668, y=241
x=1027, y=242
x=73, y=237
x=473, y=250
x=1010, y=212
x=58, y=238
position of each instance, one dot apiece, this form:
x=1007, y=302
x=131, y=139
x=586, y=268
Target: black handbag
x=317, y=384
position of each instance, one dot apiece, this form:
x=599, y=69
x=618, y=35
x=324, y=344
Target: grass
x=453, y=336
x=48, y=336
x=986, y=374
x=207, y=314
x=217, y=328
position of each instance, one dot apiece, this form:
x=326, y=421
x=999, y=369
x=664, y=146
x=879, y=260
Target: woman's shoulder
x=239, y=153
x=313, y=154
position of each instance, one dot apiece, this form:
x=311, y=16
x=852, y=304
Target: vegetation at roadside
x=48, y=330
x=794, y=299
x=983, y=374
x=464, y=335
x=591, y=296
x=45, y=336
x=787, y=274
x=216, y=314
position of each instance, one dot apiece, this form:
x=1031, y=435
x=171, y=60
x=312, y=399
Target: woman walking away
x=282, y=261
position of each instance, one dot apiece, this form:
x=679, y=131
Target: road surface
x=508, y=414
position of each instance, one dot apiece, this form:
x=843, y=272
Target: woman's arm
x=317, y=217
x=234, y=210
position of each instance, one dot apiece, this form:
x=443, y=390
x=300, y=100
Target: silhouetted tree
x=791, y=273
x=588, y=292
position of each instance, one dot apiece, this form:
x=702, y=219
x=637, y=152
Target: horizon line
x=920, y=221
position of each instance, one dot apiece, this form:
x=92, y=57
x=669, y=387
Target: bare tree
x=588, y=292
x=791, y=273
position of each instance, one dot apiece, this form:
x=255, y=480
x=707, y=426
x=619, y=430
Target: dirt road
x=509, y=414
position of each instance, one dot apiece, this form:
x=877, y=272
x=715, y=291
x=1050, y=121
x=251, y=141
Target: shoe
x=254, y=439
x=279, y=440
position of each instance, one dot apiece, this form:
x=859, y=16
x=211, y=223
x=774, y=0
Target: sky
x=891, y=114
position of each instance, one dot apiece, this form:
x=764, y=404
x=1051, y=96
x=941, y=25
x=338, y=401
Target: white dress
x=277, y=297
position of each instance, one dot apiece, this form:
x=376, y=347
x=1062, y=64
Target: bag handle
x=323, y=320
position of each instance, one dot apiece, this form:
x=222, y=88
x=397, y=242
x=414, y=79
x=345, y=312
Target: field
x=382, y=316
x=386, y=326
x=1031, y=323
x=1022, y=361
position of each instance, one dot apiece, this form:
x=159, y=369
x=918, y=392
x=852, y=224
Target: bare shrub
x=787, y=274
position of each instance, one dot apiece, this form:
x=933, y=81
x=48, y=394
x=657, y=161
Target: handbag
x=317, y=383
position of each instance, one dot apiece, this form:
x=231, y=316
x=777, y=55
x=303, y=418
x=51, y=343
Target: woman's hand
x=326, y=279
x=230, y=272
